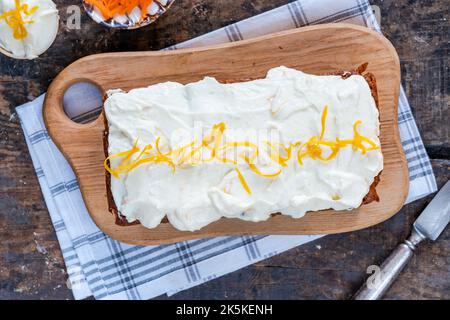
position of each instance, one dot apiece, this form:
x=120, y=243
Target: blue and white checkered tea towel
x=107, y=269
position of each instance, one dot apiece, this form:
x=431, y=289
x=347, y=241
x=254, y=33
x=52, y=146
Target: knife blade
x=429, y=225
x=436, y=216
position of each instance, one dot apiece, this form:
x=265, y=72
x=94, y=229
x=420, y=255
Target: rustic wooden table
x=31, y=266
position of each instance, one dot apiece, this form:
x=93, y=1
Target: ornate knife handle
x=390, y=269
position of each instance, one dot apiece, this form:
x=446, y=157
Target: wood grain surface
x=31, y=266
x=321, y=49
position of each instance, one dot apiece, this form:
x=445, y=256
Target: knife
x=429, y=225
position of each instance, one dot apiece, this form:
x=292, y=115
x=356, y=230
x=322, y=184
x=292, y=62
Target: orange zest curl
x=316, y=148
x=243, y=182
x=109, y=8
x=313, y=148
x=15, y=20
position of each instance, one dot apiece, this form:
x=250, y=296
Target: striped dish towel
x=107, y=269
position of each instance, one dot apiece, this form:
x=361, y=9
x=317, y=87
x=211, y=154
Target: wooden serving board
x=317, y=49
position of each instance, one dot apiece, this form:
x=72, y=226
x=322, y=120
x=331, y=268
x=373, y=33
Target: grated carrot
x=109, y=8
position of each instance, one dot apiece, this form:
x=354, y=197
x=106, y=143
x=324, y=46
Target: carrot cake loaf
x=288, y=143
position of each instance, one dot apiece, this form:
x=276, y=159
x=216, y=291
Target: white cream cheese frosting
x=40, y=22
x=287, y=103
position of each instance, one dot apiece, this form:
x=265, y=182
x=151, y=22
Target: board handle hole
x=82, y=102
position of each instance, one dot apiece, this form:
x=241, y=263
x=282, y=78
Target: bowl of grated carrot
x=126, y=14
